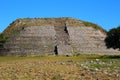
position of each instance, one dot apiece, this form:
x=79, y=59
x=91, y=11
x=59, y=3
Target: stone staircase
x=63, y=40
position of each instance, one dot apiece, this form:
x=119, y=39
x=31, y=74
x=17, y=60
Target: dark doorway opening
x=56, y=50
x=65, y=29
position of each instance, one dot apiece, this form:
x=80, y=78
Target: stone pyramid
x=53, y=36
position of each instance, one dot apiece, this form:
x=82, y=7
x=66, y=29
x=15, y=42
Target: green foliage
x=113, y=38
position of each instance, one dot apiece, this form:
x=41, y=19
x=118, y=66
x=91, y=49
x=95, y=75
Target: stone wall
x=88, y=40
x=32, y=41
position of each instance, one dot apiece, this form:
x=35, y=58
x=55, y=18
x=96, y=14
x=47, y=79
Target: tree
x=113, y=38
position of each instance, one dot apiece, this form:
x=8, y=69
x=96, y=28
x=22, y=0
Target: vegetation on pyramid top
x=21, y=23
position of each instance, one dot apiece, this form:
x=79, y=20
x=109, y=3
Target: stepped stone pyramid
x=53, y=36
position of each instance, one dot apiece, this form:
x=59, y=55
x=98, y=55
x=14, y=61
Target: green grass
x=86, y=67
x=80, y=57
x=59, y=58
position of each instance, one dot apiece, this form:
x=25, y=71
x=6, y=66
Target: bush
x=113, y=38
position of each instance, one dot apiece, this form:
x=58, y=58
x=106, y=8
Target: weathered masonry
x=53, y=36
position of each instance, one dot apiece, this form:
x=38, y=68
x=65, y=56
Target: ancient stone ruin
x=53, y=36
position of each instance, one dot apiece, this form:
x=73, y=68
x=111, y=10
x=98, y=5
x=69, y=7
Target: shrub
x=113, y=38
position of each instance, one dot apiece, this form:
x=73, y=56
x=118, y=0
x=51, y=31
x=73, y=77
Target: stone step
x=62, y=36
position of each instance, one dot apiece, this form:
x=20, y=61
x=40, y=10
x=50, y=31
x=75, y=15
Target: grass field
x=83, y=67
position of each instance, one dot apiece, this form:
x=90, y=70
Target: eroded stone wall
x=32, y=41
x=88, y=40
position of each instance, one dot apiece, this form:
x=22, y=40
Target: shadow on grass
x=111, y=56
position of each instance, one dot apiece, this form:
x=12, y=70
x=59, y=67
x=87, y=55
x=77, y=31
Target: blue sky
x=105, y=13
